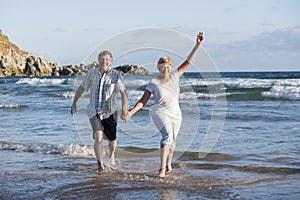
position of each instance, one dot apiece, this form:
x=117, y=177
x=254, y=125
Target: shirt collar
x=104, y=72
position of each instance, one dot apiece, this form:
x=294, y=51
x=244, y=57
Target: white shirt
x=166, y=95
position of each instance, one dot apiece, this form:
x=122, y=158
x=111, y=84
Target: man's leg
x=110, y=129
x=98, y=148
x=112, y=149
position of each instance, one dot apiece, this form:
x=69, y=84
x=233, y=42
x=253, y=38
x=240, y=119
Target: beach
x=239, y=139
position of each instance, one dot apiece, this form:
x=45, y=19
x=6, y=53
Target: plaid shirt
x=103, y=90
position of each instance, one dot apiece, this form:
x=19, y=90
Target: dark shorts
x=108, y=126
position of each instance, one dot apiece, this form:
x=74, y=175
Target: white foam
x=281, y=91
x=233, y=82
x=249, y=82
x=194, y=95
x=10, y=105
x=68, y=94
x=188, y=95
x=137, y=82
x=41, y=81
x=40, y=148
x=78, y=150
x=284, y=88
x=289, y=82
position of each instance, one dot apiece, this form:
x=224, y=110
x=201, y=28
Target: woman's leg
x=164, y=151
x=175, y=130
x=169, y=160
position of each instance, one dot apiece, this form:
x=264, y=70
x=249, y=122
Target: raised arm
x=184, y=66
x=78, y=94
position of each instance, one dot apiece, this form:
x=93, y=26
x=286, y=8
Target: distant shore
x=16, y=62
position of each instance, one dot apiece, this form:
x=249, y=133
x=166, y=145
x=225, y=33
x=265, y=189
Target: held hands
x=200, y=38
x=126, y=116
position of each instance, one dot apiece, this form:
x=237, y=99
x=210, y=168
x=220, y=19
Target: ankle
x=100, y=164
x=162, y=172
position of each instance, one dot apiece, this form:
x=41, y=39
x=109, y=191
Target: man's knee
x=113, y=142
x=98, y=136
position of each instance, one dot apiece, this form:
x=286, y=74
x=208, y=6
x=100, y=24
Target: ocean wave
x=240, y=82
x=193, y=160
x=36, y=148
x=72, y=150
x=137, y=82
x=83, y=150
x=67, y=94
x=282, y=91
x=229, y=82
x=235, y=88
x=42, y=81
x=10, y=105
x=194, y=95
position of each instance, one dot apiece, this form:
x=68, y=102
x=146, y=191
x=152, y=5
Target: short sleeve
x=150, y=87
x=120, y=86
x=175, y=74
x=86, y=82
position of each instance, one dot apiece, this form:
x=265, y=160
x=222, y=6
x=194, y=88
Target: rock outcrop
x=16, y=62
x=132, y=69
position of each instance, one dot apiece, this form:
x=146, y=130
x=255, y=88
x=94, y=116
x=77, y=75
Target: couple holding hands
x=104, y=83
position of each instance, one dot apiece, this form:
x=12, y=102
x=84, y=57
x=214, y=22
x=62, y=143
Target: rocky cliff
x=16, y=62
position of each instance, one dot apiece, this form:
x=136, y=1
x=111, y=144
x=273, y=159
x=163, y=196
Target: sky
x=240, y=35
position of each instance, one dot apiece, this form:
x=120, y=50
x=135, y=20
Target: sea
x=239, y=139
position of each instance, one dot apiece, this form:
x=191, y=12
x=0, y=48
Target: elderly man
x=104, y=83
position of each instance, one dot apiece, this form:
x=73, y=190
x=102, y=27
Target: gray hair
x=105, y=52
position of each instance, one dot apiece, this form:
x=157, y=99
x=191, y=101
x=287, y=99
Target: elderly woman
x=166, y=113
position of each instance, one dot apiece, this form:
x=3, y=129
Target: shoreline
x=60, y=177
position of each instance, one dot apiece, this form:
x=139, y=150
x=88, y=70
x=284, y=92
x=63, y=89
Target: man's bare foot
x=162, y=173
x=112, y=163
x=100, y=170
x=100, y=166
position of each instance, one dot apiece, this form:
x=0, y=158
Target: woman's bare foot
x=168, y=169
x=162, y=173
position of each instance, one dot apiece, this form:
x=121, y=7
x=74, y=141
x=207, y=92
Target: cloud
x=281, y=39
x=61, y=30
x=276, y=50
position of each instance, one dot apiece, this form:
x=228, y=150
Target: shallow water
x=48, y=154
x=51, y=176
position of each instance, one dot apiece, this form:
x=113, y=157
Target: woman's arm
x=144, y=99
x=184, y=66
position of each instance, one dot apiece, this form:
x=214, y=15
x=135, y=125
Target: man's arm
x=124, y=105
x=78, y=94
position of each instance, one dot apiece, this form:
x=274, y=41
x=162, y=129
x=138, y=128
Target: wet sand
x=61, y=177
